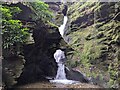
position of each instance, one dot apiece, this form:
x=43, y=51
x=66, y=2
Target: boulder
x=76, y=75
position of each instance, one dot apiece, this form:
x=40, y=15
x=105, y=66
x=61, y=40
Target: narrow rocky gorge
x=90, y=41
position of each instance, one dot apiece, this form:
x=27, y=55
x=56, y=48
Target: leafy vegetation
x=13, y=31
x=40, y=10
x=15, y=34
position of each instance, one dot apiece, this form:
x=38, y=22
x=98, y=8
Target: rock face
x=94, y=32
x=39, y=60
x=12, y=69
x=39, y=55
x=76, y=75
x=64, y=11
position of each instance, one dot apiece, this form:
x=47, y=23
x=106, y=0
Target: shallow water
x=64, y=81
x=52, y=86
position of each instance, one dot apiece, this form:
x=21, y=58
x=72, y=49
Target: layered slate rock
x=94, y=32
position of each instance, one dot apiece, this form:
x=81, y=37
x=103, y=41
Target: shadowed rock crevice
x=39, y=56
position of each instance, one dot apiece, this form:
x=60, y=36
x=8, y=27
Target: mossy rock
x=95, y=39
x=59, y=19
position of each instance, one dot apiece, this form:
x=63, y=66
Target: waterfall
x=61, y=76
x=62, y=27
x=60, y=59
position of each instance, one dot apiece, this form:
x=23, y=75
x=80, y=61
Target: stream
x=51, y=86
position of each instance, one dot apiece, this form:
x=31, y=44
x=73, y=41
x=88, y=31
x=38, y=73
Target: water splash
x=61, y=75
x=60, y=59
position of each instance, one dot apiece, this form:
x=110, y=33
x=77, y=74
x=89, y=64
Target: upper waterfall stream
x=62, y=27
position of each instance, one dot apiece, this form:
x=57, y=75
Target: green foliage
x=6, y=14
x=81, y=9
x=9, y=12
x=40, y=9
x=12, y=30
x=90, y=52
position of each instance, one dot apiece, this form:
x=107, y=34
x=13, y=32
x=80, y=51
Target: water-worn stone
x=76, y=75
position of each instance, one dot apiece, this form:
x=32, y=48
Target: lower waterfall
x=61, y=75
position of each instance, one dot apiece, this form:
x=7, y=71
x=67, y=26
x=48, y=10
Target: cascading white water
x=61, y=76
x=62, y=27
x=62, y=30
x=60, y=59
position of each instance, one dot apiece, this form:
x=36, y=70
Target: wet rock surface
x=76, y=75
x=50, y=86
x=39, y=56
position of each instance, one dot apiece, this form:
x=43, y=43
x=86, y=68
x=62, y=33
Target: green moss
x=91, y=52
x=52, y=24
x=95, y=46
x=59, y=19
x=79, y=9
